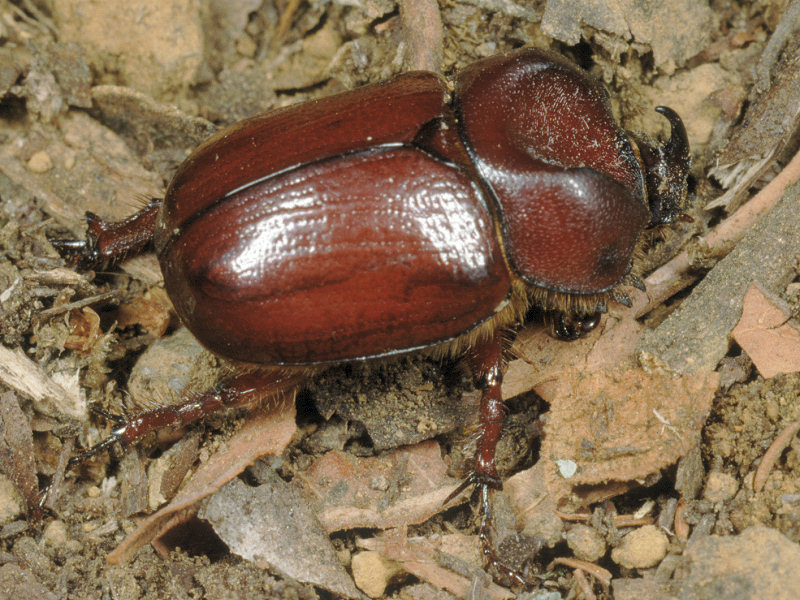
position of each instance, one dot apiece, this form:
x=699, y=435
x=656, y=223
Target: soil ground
x=88, y=122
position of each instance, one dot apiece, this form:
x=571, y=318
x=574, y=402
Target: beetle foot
x=572, y=327
x=490, y=557
x=483, y=484
x=117, y=435
x=80, y=254
x=87, y=453
x=479, y=480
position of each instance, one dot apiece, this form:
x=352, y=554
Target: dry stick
x=672, y=277
x=583, y=584
x=573, y=517
x=422, y=32
x=619, y=521
x=54, y=489
x=602, y=575
x=286, y=20
x=680, y=526
x=772, y=454
x=786, y=28
x=57, y=310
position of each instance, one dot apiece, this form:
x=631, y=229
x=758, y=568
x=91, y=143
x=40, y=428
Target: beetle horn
x=676, y=150
x=666, y=169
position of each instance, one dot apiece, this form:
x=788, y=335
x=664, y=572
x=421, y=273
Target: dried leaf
x=418, y=556
x=274, y=526
x=767, y=335
x=543, y=360
x=764, y=133
x=534, y=507
x=622, y=425
x=85, y=330
x=151, y=312
x=16, y=450
x=267, y=431
x=407, y=486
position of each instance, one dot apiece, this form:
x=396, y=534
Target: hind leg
x=242, y=390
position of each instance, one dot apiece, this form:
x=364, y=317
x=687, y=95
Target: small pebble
x=246, y=46
x=586, y=543
x=541, y=595
x=345, y=556
x=720, y=487
x=40, y=162
x=156, y=472
x=379, y=483
x=14, y=528
x=372, y=572
x=55, y=534
x=89, y=526
x=758, y=563
x=17, y=581
x=10, y=501
x=642, y=548
x=547, y=527
x=567, y=468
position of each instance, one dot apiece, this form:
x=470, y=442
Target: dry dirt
x=100, y=103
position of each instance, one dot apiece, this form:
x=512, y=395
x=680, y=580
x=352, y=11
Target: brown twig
x=680, y=526
x=672, y=277
x=602, y=575
x=631, y=521
x=422, y=32
x=583, y=584
x=285, y=21
x=57, y=310
x=618, y=520
x=773, y=452
x=54, y=489
x=573, y=517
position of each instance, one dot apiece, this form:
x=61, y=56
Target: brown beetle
x=386, y=220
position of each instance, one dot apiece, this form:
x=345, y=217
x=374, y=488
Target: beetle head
x=666, y=169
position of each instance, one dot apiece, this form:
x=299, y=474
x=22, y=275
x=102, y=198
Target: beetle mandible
x=385, y=220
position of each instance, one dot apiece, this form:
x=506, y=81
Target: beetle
x=390, y=219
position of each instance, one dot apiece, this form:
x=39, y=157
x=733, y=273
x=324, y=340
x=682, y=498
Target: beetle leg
x=486, y=361
x=243, y=390
x=108, y=242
